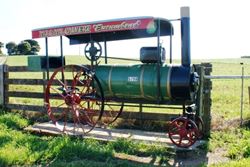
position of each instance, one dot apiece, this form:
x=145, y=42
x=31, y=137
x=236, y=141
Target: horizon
x=218, y=28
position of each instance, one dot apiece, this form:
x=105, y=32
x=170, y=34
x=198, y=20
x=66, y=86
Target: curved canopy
x=108, y=30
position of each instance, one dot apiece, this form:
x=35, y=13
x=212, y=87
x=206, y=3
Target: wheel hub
x=72, y=99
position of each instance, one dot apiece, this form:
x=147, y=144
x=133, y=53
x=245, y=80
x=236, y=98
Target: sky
x=219, y=28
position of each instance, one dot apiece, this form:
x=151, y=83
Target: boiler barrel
x=140, y=81
x=137, y=81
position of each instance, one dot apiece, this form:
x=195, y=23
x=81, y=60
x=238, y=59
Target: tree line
x=25, y=47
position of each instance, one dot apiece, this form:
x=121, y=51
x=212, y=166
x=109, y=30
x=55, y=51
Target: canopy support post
x=105, y=51
x=158, y=62
x=61, y=54
x=47, y=57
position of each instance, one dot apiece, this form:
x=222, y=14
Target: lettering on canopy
x=92, y=28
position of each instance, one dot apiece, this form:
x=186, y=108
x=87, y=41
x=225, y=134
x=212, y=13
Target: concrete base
x=106, y=134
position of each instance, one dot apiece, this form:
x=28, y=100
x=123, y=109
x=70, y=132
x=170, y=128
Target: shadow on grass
x=173, y=157
x=191, y=157
x=18, y=148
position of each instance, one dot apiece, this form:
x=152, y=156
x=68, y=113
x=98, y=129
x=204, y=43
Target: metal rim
x=183, y=132
x=200, y=125
x=74, y=94
x=111, y=113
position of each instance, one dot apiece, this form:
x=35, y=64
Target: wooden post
x=199, y=99
x=203, y=101
x=207, y=101
x=5, y=85
x=249, y=93
x=1, y=85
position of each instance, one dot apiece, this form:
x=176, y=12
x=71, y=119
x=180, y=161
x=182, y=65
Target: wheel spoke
x=60, y=105
x=180, y=140
x=174, y=132
x=183, y=135
x=185, y=124
x=60, y=82
x=57, y=91
x=65, y=122
x=86, y=116
x=81, y=110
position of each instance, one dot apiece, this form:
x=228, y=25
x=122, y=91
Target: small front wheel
x=183, y=132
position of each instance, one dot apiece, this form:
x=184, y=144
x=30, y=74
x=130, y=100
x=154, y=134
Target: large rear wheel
x=74, y=99
x=111, y=113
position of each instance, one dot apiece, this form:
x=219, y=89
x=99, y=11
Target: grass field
x=65, y=151
x=226, y=94
x=19, y=148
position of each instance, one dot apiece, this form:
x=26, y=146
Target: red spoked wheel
x=74, y=95
x=112, y=112
x=183, y=132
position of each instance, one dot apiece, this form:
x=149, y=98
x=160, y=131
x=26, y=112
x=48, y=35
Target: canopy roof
x=108, y=30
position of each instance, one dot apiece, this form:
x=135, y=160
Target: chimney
x=185, y=37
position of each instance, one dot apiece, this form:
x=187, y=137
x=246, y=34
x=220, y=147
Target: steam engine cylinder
x=140, y=82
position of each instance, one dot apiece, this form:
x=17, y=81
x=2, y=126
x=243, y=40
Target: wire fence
x=242, y=78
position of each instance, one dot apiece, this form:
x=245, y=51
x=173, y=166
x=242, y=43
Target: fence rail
x=226, y=77
x=203, y=102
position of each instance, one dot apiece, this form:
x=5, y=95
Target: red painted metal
x=183, y=132
x=96, y=27
x=79, y=101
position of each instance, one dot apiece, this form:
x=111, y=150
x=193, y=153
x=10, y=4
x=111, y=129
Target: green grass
x=20, y=148
x=75, y=152
x=225, y=93
x=235, y=141
x=236, y=163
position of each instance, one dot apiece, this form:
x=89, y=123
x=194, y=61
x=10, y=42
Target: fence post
x=1, y=84
x=204, y=96
x=207, y=101
x=249, y=94
x=6, y=85
x=3, y=87
x=199, y=103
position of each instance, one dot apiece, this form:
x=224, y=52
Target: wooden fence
x=203, y=101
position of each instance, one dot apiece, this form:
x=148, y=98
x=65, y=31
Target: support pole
x=47, y=57
x=61, y=50
x=105, y=50
x=44, y=87
x=242, y=94
x=62, y=58
x=158, y=62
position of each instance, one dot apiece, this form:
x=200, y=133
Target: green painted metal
x=38, y=63
x=35, y=63
x=135, y=81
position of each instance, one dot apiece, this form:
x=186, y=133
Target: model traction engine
x=83, y=94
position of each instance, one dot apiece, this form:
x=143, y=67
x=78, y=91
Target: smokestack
x=185, y=37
